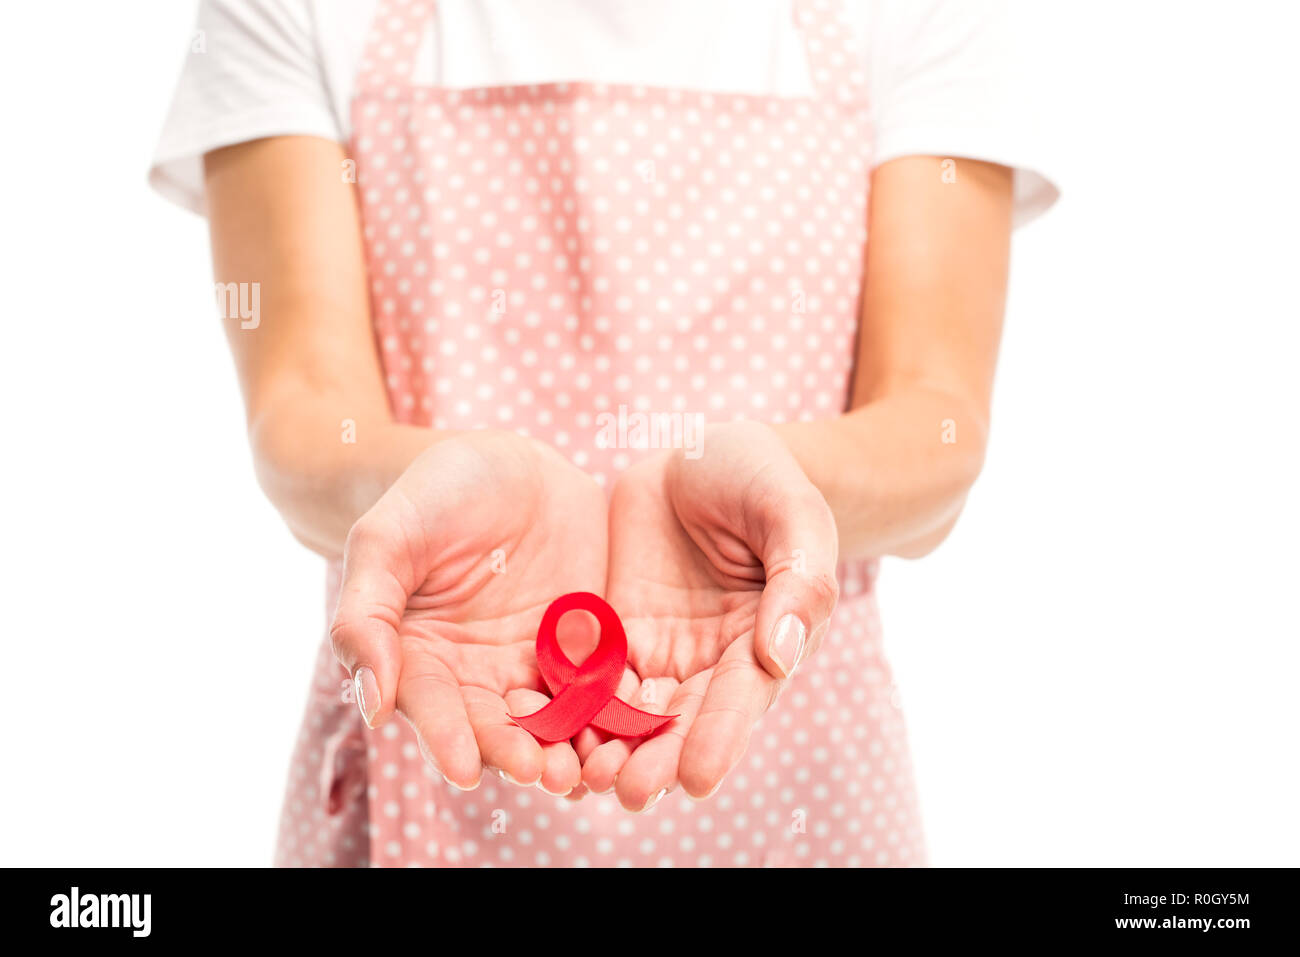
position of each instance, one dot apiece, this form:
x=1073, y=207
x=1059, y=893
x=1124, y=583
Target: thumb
x=364, y=631
x=799, y=556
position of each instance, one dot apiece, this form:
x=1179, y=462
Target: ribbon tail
x=621, y=719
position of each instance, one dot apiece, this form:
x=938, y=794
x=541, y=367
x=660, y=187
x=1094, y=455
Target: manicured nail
x=367, y=689
x=787, y=643
x=654, y=799
x=511, y=779
x=558, y=794
x=461, y=787
x=706, y=796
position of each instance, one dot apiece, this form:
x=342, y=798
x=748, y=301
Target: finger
x=431, y=701
x=799, y=552
x=563, y=770
x=602, y=764
x=363, y=634
x=586, y=741
x=590, y=738
x=739, y=692
x=600, y=768
x=560, y=770
x=503, y=745
x=651, y=770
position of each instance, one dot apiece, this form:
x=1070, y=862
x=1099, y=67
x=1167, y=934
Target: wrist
x=833, y=455
x=323, y=471
x=892, y=470
x=819, y=448
x=378, y=463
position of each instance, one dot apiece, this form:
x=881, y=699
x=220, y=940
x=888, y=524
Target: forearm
x=285, y=226
x=894, y=471
x=897, y=467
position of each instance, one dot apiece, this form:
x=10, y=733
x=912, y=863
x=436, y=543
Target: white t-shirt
x=944, y=75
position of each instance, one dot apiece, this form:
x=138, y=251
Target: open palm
x=723, y=571
x=445, y=581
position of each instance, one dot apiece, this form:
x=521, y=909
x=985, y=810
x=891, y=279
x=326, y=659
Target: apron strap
x=393, y=43
x=835, y=62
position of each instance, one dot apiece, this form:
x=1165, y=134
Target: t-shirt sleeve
x=253, y=71
x=953, y=78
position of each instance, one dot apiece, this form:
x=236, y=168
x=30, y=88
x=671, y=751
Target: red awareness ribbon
x=583, y=695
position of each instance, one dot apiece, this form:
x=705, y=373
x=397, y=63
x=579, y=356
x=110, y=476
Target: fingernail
x=704, y=797
x=509, y=778
x=461, y=787
x=654, y=799
x=787, y=643
x=367, y=689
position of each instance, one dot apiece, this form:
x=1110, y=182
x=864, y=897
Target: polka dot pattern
x=540, y=256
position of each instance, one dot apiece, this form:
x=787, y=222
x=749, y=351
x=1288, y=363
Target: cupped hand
x=444, y=582
x=722, y=568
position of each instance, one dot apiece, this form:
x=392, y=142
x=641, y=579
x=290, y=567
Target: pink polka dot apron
x=538, y=256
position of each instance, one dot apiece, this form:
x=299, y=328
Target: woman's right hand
x=445, y=581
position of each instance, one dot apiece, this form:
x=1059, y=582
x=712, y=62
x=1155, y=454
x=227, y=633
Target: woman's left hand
x=722, y=568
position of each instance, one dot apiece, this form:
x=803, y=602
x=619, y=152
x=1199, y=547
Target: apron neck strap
x=836, y=62
x=393, y=44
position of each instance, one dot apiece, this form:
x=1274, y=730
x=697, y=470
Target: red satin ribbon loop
x=583, y=695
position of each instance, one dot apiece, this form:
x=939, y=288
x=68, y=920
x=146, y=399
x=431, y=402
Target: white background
x=1099, y=666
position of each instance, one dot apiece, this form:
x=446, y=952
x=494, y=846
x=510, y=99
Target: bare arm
x=282, y=216
x=897, y=467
